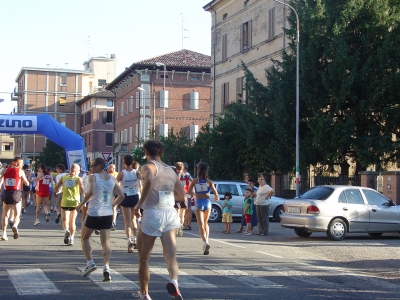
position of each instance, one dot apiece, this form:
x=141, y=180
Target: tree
x=349, y=81
x=52, y=154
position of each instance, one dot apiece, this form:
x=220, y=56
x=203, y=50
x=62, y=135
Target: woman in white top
x=130, y=181
x=263, y=203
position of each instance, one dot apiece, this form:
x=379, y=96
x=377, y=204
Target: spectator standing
x=247, y=211
x=226, y=212
x=263, y=203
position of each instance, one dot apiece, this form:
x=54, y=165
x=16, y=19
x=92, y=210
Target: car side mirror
x=391, y=203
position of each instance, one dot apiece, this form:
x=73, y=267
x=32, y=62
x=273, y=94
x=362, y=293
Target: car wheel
x=375, y=233
x=277, y=213
x=215, y=214
x=301, y=232
x=337, y=230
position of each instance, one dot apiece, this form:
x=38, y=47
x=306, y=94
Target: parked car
x=237, y=189
x=338, y=210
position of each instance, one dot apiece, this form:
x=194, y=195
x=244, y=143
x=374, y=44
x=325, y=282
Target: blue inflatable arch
x=44, y=124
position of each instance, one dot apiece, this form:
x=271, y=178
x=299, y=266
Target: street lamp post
x=159, y=64
x=297, y=102
x=140, y=106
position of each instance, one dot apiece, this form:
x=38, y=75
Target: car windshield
x=317, y=193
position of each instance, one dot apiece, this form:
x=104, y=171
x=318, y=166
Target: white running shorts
x=157, y=221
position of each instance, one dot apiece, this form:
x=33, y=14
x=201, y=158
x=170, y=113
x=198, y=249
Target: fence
x=289, y=184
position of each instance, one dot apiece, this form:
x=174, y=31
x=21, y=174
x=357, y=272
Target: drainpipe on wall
x=214, y=42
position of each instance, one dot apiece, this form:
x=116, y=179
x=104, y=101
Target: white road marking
x=337, y=271
x=243, y=277
x=219, y=241
x=117, y=283
x=269, y=254
x=185, y=280
x=304, y=277
x=29, y=282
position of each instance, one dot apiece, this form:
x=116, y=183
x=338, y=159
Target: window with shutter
x=164, y=99
x=224, y=46
x=271, y=23
x=194, y=100
x=131, y=103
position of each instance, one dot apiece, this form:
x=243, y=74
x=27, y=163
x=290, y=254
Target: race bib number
x=201, y=187
x=46, y=181
x=69, y=183
x=166, y=198
x=183, y=182
x=10, y=182
x=130, y=190
x=106, y=196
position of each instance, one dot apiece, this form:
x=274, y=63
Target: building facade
x=160, y=95
x=55, y=91
x=7, y=148
x=249, y=31
x=97, y=124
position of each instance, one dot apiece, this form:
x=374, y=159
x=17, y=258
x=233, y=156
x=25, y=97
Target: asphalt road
x=280, y=266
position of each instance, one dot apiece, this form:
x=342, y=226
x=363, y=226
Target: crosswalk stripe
x=118, y=282
x=337, y=271
x=185, y=280
x=243, y=277
x=304, y=277
x=31, y=282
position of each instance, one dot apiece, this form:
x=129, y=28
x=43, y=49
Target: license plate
x=294, y=210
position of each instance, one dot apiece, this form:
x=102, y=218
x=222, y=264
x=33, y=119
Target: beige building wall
x=248, y=31
x=103, y=69
x=7, y=148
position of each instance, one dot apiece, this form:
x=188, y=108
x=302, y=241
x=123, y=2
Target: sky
x=34, y=33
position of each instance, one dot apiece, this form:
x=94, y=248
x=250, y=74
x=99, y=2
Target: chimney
x=112, y=55
x=66, y=65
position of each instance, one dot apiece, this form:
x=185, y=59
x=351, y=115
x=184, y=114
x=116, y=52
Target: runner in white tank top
x=160, y=191
x=130, y=181
x=101, y=190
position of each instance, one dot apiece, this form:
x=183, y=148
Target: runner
x=181, y=207
x=26, y=189
x=111, y=171
x=43, y=180
x=60, y=168
x=101, y=189
x=13, y=196
x=72, y=189
x=159, y=217
x=186, y=179
x=130, y=181
x=202, y=186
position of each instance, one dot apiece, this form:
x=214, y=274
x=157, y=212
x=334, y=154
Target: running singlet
x=161, y=195
x=185, y=181
x=43, y=186
x=12, y=179
x=202, y=187
x=70, y=190
x=100, y=203
x=130, y=183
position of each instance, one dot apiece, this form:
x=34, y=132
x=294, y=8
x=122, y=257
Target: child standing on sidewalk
x=226, y=212
x=247, y=211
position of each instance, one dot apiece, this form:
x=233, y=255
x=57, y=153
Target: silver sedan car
x=338, y=210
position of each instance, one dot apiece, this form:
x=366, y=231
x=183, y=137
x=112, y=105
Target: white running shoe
x=106, y=274
x=89, y=269
x=37, y=222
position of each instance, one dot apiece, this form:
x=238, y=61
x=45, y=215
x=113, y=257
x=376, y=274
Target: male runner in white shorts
x=160, y=218
x=101, y=189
